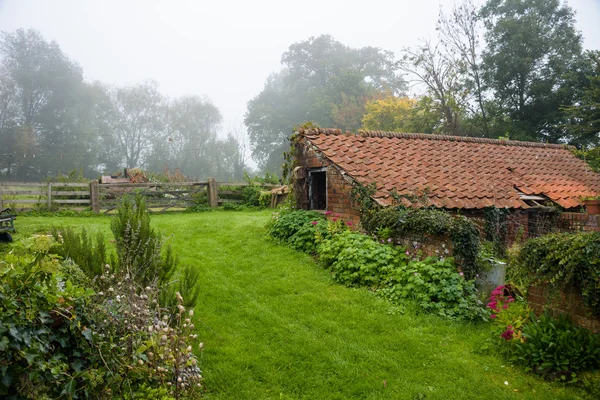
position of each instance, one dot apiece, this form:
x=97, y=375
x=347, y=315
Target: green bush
x=251, y=195
x=286, y=225
x=556, y=348
x=139, y=246
x=90, y=256
x=561, y=260
x=436, y=287
x=357, y=260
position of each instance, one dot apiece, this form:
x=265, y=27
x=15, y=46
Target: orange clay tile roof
x=457, y=172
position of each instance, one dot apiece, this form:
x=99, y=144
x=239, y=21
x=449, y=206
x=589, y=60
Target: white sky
x=225, y=49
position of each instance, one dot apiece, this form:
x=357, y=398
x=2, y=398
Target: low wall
x=568, y=301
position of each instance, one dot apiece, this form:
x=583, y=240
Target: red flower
x=334, y=219
x=328, y=213
x=315, y=222
x=349, y=223
x=493, y=316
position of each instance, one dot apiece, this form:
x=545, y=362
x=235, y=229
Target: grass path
x=275, y=326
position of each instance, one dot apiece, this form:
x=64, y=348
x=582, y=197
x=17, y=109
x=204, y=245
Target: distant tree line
x=53, y=122
x=511, y=68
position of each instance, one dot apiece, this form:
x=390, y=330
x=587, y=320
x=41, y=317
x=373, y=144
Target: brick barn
x=456, y=173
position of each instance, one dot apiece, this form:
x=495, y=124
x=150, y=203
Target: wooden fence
x=23, y=196
x=98, y=197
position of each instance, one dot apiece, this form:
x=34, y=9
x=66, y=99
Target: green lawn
x=276, y=327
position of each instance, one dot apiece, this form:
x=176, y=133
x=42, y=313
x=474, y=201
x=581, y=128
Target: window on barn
x=317, y=189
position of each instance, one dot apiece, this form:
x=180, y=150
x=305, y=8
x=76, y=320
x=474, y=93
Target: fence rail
x=160, y=197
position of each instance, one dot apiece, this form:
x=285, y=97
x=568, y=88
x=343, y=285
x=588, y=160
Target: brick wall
x=338, y=188
x=568, y=301
x=577, y=222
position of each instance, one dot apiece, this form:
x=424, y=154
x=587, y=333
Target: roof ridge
x=427, y=136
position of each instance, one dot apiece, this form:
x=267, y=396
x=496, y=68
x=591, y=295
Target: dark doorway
x=317, y=192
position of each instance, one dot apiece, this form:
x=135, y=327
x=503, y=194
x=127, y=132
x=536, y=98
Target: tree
x=52, y=103
x=137, y=120
x=460, y=33
x=444, y=83
x=400, y=114
x=322, y=81
x=531, y=44
x=583, y=117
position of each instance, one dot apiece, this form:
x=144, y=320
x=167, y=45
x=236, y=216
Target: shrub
x=139, y=246
x=288, y=224
x=436, y=287
x=90, y=256
x=556, y=348
x=357, y=260
x=61, y=340
x=251, y=195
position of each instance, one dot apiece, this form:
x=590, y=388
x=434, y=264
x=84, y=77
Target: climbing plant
x=401, y=222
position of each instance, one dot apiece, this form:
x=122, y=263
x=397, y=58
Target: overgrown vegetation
x=560, y=260
x=417, y=223
x=99, y=331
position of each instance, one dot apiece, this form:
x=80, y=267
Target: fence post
x=49, y=197
x=1, y=206
x=213, y=198
x=94, y=197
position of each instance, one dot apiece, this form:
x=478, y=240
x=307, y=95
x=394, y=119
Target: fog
x=226, y=50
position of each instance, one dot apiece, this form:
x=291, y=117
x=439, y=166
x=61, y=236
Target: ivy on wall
x=561, y=260
x=401, y=223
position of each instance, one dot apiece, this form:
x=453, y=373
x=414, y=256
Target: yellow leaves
x=390, y=114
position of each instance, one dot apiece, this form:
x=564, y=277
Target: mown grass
x=276, y=327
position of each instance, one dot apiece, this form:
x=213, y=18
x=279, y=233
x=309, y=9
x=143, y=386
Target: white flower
x=191, y=313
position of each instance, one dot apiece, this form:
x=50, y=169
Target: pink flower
x=337, y=215
x=461, y=273
x=505, y=306
x=328, y=213
x=408, y=253
x=315, y=222
x=389, y=240
x=349, y=223
x=493, y=316
x=508, y=333
x=334, y=219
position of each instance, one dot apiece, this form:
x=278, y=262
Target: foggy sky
x=225, y=49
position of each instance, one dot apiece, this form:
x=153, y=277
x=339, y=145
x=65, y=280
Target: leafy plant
x=436, y=287
x=357, y=260
x=403, y=222
x=288, y=224
x=561, y=260
x=556, y=348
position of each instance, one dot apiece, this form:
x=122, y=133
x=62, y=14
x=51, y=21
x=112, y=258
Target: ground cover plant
x=276, y=326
